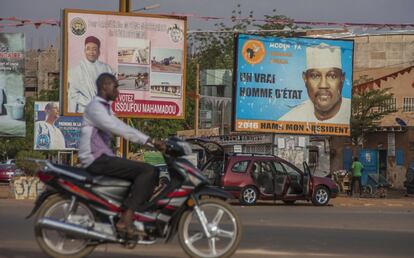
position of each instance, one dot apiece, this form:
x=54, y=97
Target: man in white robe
x=47, y=135
x=324, y=80
x=82, y=78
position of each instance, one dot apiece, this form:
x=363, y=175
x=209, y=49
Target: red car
x=7, y=171
x=251, y=177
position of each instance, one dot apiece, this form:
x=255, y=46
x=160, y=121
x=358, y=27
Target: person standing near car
x=356, y=175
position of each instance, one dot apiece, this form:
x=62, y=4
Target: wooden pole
x=124, y=7
x=197, y=100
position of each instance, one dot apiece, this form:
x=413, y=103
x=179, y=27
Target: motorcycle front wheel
x=221, y=222
x=59, y=244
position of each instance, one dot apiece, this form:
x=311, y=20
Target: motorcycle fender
x=40, y=199
x=212, y=191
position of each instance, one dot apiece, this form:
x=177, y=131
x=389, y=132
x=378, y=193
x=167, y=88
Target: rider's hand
x=159, y=145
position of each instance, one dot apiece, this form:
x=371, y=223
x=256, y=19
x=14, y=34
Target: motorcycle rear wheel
x=53, y=242
x=223, y=225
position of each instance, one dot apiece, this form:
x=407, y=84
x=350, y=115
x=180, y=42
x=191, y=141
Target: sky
x=350, y=11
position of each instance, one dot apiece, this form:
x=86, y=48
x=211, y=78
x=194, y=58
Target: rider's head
x=107, y=85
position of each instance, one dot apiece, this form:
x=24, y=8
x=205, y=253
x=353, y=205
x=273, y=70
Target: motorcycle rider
x=99, y=124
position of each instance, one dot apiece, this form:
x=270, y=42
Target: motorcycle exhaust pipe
x=75, y=229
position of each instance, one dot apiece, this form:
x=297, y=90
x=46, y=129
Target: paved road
x=352, y=230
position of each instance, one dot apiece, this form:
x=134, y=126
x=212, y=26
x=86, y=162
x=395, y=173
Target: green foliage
x=215, y=50
x=368, y=108
x=155, y=128
x=153, y=157
x=29, y=167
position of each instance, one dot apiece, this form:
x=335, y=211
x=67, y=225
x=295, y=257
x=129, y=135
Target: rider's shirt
x=99, y=123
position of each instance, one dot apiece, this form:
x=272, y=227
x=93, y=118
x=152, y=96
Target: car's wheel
x=249, y=195
x=321, y=196
x=289, y=202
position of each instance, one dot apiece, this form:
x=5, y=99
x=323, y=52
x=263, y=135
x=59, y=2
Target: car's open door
x=211, y=149
x=307, y=177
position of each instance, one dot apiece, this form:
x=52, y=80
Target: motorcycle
x=78, y=211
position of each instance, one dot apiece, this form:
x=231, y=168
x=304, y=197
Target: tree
x=368, y=108
x=215, y=50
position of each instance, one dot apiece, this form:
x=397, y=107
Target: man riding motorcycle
x=99, y=124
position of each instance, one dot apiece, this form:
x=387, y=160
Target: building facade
x=381, y=62
x=41, y=70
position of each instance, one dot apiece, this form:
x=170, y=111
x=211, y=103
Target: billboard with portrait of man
x=52, y=131
x=293, y=85
x=139, y=49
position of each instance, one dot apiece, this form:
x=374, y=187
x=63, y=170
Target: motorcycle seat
x=95, y=179
x=110, y=181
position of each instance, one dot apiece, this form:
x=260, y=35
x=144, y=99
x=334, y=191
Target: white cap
x=323, y=56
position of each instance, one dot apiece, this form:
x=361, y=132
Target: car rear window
x=6, y=166
x=240, y=166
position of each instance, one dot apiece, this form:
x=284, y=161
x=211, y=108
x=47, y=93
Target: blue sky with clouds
x=356, y=11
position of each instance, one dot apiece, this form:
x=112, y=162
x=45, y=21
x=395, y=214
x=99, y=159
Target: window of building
x=408, y=104
x=389, y=105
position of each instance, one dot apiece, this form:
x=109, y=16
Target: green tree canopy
x=368, y=108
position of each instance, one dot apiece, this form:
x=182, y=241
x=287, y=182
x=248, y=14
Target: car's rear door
x=280, y=179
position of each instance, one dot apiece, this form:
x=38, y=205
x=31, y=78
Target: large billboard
x=12, y=101
x=145, y=52
x=292, y=85
x=52, y=131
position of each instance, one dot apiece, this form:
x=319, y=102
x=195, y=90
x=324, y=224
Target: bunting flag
x=377, y=82
x=14, y=22
x=22, y=22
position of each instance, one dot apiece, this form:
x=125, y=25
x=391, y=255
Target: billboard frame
x=64, y=67
x=234, y=128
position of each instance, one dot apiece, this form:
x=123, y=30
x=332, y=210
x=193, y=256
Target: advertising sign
x=12, y=101
x=292, y=85
x=54, y=132
x=145, y=52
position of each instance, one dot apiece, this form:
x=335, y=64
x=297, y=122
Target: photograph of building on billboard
x=293, y=85
x=136, y=48
x=12, y=101
x=54, y=132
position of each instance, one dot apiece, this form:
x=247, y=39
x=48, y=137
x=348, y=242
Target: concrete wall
x=292, y=148
x=39, y=64
x=379, y=141
x=380, y=51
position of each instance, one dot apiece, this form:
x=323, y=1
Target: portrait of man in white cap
x=324, y=80
x=82, y=78
x=47, y=135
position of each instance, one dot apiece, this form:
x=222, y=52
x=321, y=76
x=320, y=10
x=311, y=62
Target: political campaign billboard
x=292, y=85
x=12, y=101
x=52, y=131
x=145, y=52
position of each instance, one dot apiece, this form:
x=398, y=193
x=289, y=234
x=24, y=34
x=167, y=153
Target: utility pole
x=197, y=100
x=124, y=7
